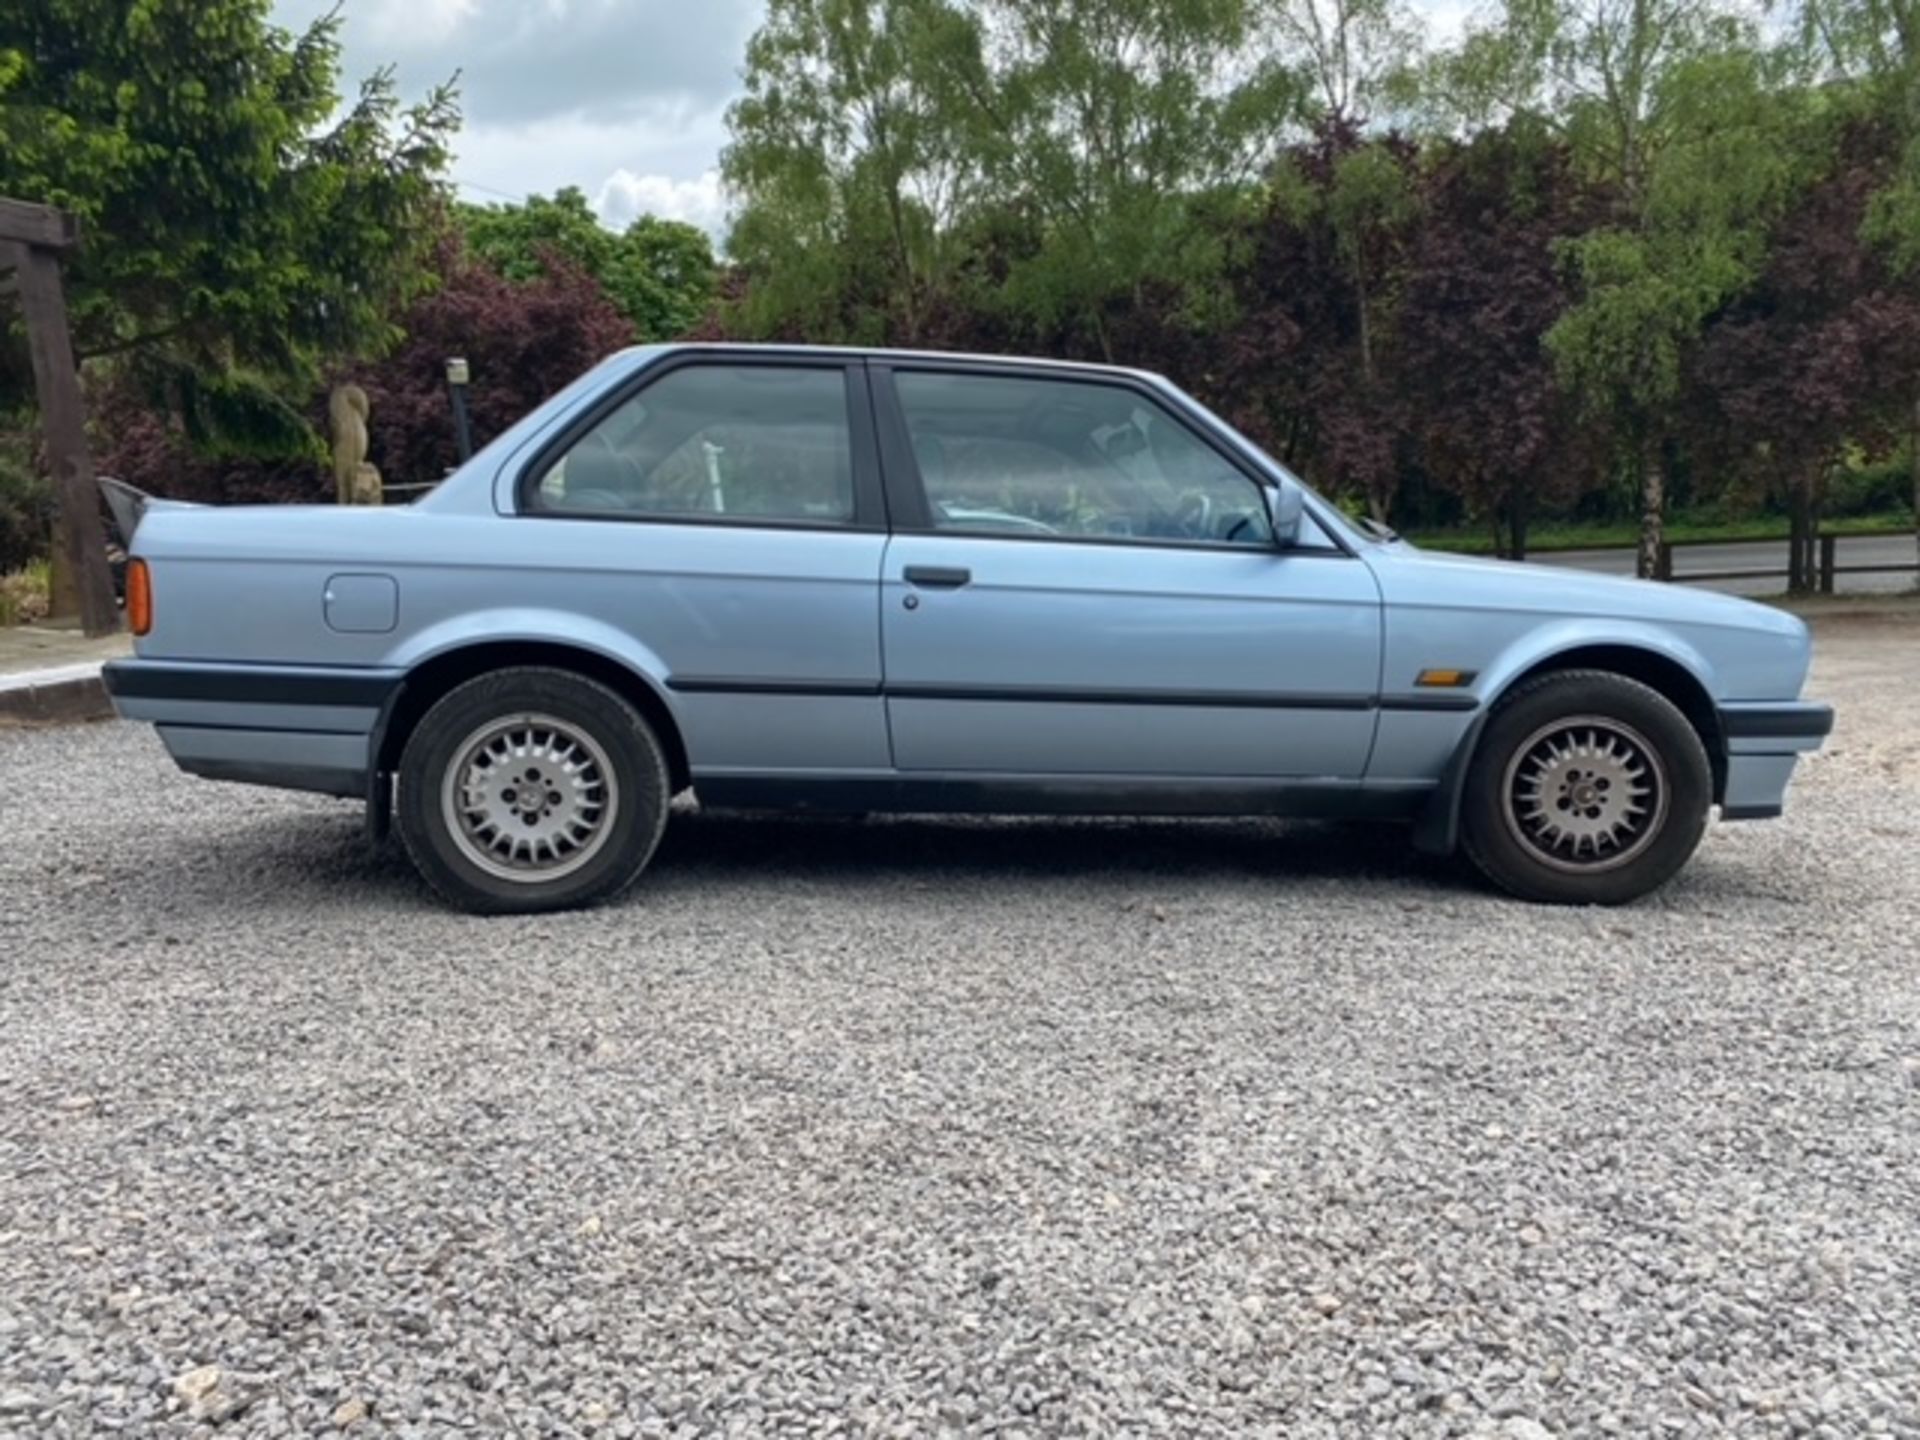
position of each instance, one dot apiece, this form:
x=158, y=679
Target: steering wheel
x=1239, y=528
x=1195, y=514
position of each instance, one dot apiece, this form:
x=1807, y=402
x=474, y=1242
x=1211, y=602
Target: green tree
x=1116, y=123
x=666, y=278
x=1356, y=55
x=850, y=157
x=1363, y=196
x=660, y=273
x=1055, y=160
x=1873, y=46
x=516, y=239
x=1674, y=108
x=239, y=226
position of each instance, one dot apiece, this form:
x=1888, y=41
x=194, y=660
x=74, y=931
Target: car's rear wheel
x=1586, y=788
x=531, y=789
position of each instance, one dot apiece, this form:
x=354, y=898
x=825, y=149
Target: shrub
x=524, y=341
x=26, y=501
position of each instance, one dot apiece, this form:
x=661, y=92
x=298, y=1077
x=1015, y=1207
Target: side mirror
x=1286, y=502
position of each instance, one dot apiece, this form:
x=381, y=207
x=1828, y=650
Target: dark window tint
x=1071, y=459
x=714, y=442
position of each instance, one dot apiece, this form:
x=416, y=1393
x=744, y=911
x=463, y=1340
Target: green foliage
x=1668, y=105
x=660, y=273
x=1357, y=57
x=1104, y=118
x=26, y=497
x=237, y=219
x=1048, y=159
x=851, y=152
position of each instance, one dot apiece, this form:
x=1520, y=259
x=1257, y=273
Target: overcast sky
x=626, y=99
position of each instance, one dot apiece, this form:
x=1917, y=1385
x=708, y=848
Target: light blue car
x=811, y=579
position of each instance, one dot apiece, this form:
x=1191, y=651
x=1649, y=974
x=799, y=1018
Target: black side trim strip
x=1220, y=699
x=1777, y=722
x=1060, y=795
x=301, y=726
x=245, y=685
x=1057, y=695
x=1429, y=702
x=733, y=685
x=1752, y=812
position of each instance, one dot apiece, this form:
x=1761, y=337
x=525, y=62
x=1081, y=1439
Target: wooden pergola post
x=32, y=239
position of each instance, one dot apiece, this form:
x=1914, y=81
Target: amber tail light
x=139, y=597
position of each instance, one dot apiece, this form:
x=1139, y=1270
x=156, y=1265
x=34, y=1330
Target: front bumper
x=1764, y=743
x=290, y=726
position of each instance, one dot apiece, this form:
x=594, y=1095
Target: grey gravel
x=988, y=1127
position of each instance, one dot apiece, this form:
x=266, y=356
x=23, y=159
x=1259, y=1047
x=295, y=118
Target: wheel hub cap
x=529, y=797
x=1586, y=794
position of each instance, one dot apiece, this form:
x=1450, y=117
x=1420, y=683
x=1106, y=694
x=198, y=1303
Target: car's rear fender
x=446, y=654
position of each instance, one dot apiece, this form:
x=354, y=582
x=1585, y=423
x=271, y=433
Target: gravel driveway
x=910, y=1127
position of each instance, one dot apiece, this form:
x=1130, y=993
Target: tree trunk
x=1100, y=332
x=1913, y=466
x=1817, y=485
x=1799, y=542
x=1653, y=510
x=1518, y=516
x=1366, y=329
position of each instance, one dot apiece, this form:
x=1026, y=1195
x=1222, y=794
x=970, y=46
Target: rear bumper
x=293, y=727
x=1764, y=743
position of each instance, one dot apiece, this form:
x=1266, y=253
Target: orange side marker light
x=139, y=597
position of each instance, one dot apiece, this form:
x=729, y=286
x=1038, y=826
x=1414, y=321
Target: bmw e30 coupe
x=869, y=581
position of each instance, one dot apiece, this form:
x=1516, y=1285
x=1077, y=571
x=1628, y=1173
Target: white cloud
x=659, y=160
x=416, y=24
x=625, y=197
x=1446, y=19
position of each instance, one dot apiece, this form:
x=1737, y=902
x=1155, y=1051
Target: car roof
x=862, y=352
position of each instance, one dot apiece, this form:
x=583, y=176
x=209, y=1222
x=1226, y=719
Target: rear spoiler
x=128, y=504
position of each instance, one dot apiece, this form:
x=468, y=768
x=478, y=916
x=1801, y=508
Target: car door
x=724, y=510
x=1084, y=582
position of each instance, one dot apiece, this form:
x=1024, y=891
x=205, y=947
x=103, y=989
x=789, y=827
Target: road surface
x=968, y=1127
x=1761, y=555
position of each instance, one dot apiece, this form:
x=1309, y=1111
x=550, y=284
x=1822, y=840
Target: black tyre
x=1587, y=788
x=531, y=789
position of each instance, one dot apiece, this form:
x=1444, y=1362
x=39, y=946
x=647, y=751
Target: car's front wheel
x=531, y=789
x=1586, y=788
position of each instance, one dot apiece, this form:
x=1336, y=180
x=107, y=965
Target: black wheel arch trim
x=431, y=676
x=1436, y=831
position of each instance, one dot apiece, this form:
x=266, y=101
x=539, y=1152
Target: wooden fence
x=1825, y=571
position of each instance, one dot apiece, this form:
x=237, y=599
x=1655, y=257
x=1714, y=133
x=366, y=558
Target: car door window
x=1075, y=460
x=713, y=442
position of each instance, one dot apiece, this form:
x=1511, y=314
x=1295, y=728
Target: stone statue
x=355, y=482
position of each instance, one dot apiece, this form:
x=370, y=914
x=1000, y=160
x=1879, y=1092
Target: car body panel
x=1065, y=674
x=1065, y=658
